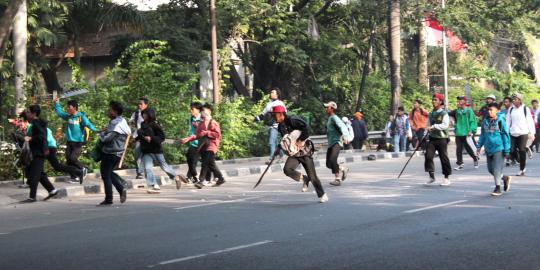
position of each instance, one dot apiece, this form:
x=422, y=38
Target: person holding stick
x=439, y=122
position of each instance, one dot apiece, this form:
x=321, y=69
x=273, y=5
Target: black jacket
x=154, y=130
x=359, y=129
x=294, y=123
x=38, y=132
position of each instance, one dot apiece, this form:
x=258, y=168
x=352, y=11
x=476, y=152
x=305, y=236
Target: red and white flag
x=434, y=36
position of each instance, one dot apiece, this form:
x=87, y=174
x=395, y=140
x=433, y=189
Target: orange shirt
x=418, y=119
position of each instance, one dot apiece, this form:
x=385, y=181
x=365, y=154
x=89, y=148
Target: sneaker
x=459, y=167
x=75, y=180
x=207, y=183
x=336, y=182
x=267, y=162
x=123, y=196
x=139, y=176
x=305, y=184
x=521, y=173
x=199, y=185
x=219, y=182
x=431, y=178
x=344, y=173
x=105, y=203
x=506, y=181
x=179, y=179
x=476, y=164
x=323, y=198
x=507, y=163
x=153, y=191
x=529, y=152
x=156, y=187
x=29, y=200
x=83, y=175
x=51, y=194
x=445, y=182
x=496, y=191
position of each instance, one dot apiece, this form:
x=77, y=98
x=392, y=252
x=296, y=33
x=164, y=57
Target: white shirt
x=520, y=122
x=139, y=121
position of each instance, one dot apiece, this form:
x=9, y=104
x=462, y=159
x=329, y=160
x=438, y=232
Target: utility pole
x=213, y=36
x=20, y=39
x=445, y=62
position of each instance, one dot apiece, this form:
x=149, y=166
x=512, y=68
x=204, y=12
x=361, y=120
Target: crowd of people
x=509, y=133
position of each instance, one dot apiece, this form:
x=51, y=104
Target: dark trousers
x=440, y=146
x=358, y=143
x=59, y=167
x=108, y=163
x=461, y=142
x=192, y=156
x=73, y=151
x=536, y=142
x=418, y=136
x=209, y=165
x=307, y=162
x=332, y=154
x=35, y=174
x=519, y=150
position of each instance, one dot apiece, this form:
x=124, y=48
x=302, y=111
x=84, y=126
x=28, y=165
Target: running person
x=272, y=125
x=439, y=122
x=297, y=132
x=337, y=134
x=465, y=129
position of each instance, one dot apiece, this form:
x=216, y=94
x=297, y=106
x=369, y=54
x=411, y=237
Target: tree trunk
x=395, y=53
x=366, y=69
x=20, y=40
x=422, y=57
x=5, y=25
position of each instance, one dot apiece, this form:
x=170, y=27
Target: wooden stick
x=124, y=153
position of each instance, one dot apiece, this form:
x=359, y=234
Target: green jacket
x=335, y=129
x=465, y=122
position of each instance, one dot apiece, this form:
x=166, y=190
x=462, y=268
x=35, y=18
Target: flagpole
x=445, y=65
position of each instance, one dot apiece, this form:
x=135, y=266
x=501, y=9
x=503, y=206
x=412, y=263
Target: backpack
x=524, y=113
x=85, y=131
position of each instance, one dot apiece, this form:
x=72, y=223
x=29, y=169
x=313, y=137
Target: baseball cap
x=331, y=104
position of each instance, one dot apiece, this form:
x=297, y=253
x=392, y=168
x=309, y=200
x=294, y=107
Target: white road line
x=433, y=206
x=183, y=259
x=215, y=203
x=4, y=233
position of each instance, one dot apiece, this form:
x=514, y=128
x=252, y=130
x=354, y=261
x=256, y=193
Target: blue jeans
x=495, y=164
x=273, y=140
x=399, y=143
x=139, y=166
x=148, y=160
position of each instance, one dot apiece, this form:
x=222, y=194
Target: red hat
x=438, y=96
x=279, y=109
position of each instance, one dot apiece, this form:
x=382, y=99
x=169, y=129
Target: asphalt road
x=371, y=222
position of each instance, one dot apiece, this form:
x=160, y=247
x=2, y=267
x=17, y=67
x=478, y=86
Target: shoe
x=153, y=191
x=179, y=179
x=529, y=153
x=431, y=178
x=75, y=180
x=496, y=191
x=267, y=162
x=83, y=175
x=219, y=182
x=123, y=196
x=446, y=182
x=507, y=163
x=29, y=200
x=156, y=187
x=506, y=181
x=207, y=183
x=323, y=198
x=521, y=173
x=336, y=183
x=305, y=184
x=344, y=173
x=51, y=194
x=199, y=185
x=139, y=176
x=459, y=167
x=476, y=164
x=105, y=203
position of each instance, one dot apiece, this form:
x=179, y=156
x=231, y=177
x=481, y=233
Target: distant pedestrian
x=338, y=135
x=418, y=121
x=272, y=126
x=465, y=129
x=484, y=110
x=136, y=120
x=438, y=124
x=75, y=134
x=299, y=149
x=360, y=130
x=151, y=137
x=388, y=133
x=192, y=153
x=536, y=117
x=37, y=139
x=113, y=143
x=348, y=124
x=520, y=121
x=495, y=138
x=401, y=130
x=208, y=134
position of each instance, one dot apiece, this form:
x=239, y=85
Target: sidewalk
x=11, y=193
